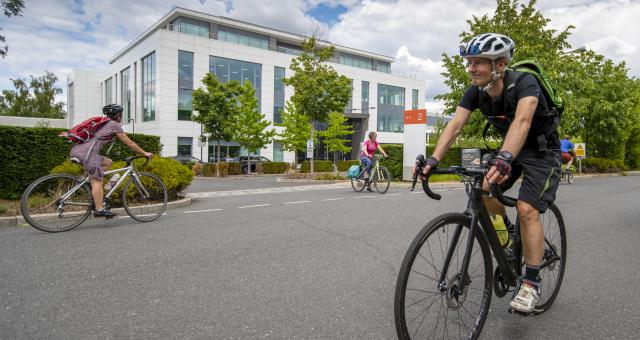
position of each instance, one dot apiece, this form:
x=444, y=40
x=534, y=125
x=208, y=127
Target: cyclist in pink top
x=369, y=148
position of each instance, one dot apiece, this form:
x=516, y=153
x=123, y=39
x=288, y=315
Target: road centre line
x=333, y=199
x=368, y=196
x=254, y=206
x=197, y=211
x=396, y=194
x=298, y=202
x=141, y=215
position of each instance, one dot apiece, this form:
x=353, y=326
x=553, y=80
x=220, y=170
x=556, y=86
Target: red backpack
x=86, y=130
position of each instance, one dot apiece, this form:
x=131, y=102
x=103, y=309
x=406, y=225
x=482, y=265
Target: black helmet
x=111, y=110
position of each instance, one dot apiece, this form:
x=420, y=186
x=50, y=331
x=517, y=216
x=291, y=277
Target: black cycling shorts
x=541, y=176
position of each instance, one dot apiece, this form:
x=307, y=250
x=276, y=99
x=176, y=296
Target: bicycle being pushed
x=446, y=280
x=61, y=202
x=380, y=177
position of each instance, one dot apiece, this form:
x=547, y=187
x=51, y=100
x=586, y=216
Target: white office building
x=154, y=75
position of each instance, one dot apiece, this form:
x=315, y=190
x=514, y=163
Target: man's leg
x=531, y=233
x=569, y=162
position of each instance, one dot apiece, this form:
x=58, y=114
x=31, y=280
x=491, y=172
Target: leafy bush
x=68, y=167
x=209, y=169
x=175, y=176
x=632, y=150
x=3, y=209
x=275, y=167
x=345, y=165
x=319, y=166
x=29, y=153
x=234, y=168
x=602, y=165
x=329, y=177
x=394, y=162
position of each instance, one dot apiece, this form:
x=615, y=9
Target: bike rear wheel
x=358, y=183
x=144, y=199
x=555, y=256
x=569, y=176
x=425, y=308
x=44, y=209
x=382, y=180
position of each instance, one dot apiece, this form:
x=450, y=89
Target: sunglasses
x=472, y=50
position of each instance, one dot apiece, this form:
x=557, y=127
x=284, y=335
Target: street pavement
x=289, y=263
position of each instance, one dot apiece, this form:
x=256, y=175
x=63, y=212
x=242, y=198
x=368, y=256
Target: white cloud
x=51, y=36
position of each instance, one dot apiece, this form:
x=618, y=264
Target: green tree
x=33, y=98
x=250, y=128
x=333, y=135
x=528, y=28
x=216, y=107
x=10, y=8
x=318, y=88
x=297, y=129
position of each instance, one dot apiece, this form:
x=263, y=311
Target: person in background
x=369, y=148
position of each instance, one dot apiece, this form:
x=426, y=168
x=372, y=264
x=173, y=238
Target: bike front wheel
x=426, y=307
x=144, y=197
x=382, y=180
x=44, y=208
x=569, y=177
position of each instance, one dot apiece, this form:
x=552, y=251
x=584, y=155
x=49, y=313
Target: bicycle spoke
x=427, y=261
x=425, y=275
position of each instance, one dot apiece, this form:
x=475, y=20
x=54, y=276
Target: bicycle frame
x=479, y=215
x=375, y=168
x=128, y=171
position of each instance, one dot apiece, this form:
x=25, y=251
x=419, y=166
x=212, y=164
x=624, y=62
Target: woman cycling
x=369, y=148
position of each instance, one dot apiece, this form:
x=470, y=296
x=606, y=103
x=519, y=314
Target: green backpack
x=533, y=68
x=554, y=108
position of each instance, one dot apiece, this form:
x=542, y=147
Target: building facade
x=153, y=78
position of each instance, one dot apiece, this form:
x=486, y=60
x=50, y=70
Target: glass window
x=190, y=26
x=149, y=87
x=231, y=69
x=185, y=85
x=414, y=99
x=278, y=98
x=70, y=100
x=184, y=145
x=390, y=108
x=365, y=97
x=242, y=37
x=125, y=94
x=349, y=107
x=108, y=94
x=356, y=61
x=382, y=66
x=278, y=155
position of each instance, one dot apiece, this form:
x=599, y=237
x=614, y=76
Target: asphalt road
x=297, y=264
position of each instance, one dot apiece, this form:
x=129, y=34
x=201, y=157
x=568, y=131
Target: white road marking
x=145, y=215
x=398, y=194
x=333, y=199
x=197, y=211
x=254, y=206
x=368, y=196
x=298, y=202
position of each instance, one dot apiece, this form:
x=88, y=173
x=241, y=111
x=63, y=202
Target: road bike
x=446, y=280
x=61, y=202
x=566, y=175
x=380, y=177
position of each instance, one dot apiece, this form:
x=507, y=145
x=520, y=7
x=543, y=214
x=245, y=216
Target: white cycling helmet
x=489, y=45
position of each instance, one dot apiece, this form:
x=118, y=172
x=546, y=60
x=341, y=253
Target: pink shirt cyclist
x=369, y=148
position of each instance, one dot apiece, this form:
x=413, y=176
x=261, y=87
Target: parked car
x=254, y=160
x=186, y=159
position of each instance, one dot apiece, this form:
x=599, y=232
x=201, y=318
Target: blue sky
x=63, y=35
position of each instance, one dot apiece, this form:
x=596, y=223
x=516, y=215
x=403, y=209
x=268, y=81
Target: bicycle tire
x=148, y=208
x=472, y=327
x=555, y=236
x=358, y=183
x=569, y=176
x=38, y=201
x=382, y=180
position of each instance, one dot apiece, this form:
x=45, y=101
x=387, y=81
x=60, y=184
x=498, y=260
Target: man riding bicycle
x=531, y=147
x=568, y=151
x=95, y=164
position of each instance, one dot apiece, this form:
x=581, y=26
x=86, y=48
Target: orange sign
x=415, y=117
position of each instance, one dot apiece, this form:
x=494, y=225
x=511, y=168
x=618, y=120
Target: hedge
x=29, y=153
x=275, y=167
x=345, y=165
x=319, y=166
x=601, y=165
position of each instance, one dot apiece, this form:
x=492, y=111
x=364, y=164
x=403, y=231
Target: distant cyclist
x=568, y=151
x=369, y=148
x=96, y=164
